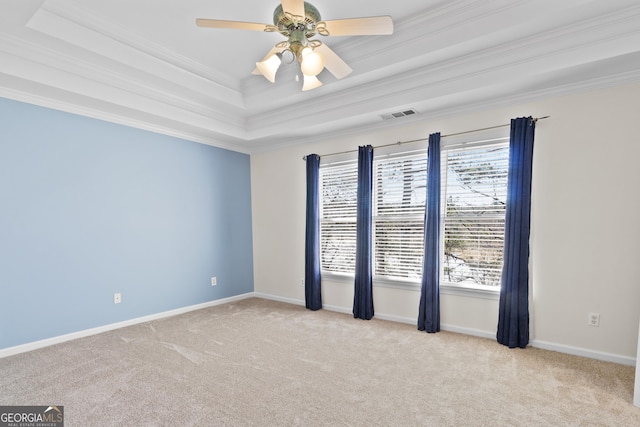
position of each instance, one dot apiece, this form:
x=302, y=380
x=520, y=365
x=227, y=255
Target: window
x=399, y=200
x=339, y=191
x=474, y=187
x=399, y=195
x=474, y=195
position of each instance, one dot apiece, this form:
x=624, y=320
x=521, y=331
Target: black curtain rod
x=426, y=139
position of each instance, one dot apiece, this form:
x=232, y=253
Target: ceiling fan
x=299, y=21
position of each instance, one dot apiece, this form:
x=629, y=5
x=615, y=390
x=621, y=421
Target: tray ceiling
x=145, y=63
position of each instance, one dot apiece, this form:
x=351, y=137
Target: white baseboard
x=561, y=348
x=10, y=351
x=278, y=298
x=337, y=309
x=381, y=316
x=468, y=331
x=577, y=351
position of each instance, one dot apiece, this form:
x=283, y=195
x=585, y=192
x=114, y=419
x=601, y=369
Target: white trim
x=338, y=309
x=468, y=331
x=468, y=291
x=112, y=117
x=577, y=351
x=561, y=348
x=636, y=387
x=278, y=298
x=383, y=316
x=23, y=348
x=76, y=26
x=407, y=285
x=397, y=319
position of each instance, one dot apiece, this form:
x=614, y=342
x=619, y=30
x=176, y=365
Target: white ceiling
x=144, y=63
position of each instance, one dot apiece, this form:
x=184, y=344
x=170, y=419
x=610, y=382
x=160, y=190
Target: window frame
x=406, y=212
x=478, y=139
x=496, y=140
x=340, y=163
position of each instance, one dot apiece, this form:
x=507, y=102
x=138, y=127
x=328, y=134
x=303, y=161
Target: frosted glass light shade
x=311, y=82
x=269, y=67
x=312, y=62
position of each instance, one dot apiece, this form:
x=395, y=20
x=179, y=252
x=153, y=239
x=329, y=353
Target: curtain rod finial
x=535, y=120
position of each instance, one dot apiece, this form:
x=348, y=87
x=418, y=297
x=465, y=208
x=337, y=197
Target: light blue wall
x=89, y=208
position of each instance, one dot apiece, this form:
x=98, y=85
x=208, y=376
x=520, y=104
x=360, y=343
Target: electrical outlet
x=594, y=319
x=214, y=281
x=117, y=298
x=302, y=282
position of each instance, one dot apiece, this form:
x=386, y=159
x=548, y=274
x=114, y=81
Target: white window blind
x=339, y=189
x=400, y=194
x=474, y=193
x=474, y=186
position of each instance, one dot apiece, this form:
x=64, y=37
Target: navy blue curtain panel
x=513, y=317
x=312, y=293
x=429, y=312
x=363, y=289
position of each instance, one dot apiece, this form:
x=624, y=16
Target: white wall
x=585, y=239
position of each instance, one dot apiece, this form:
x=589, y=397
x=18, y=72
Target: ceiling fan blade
x=374, y=25
x=273, y=51
x=333, y=62
x=294, y=7
x=234, y=25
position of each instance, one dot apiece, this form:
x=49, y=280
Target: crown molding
x=452, y=56
x=73, y=12
x=27, y=60
x=434, y=37
x=531, y=55
x=124, y=117
x=377, y=124
x=153, y=63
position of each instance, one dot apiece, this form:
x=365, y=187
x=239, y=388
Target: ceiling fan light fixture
x=269, y=67
x=312, y=62
x=310, y=82
x=299, y=21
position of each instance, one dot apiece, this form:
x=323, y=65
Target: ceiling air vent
x=399, y=114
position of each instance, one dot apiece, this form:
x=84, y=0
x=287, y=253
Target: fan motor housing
x=285, y=24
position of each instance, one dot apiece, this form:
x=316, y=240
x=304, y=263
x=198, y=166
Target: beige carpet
x=264, y=363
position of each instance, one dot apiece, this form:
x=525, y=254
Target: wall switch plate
x=214, y=281
x=594, y=319
x=117, y=298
